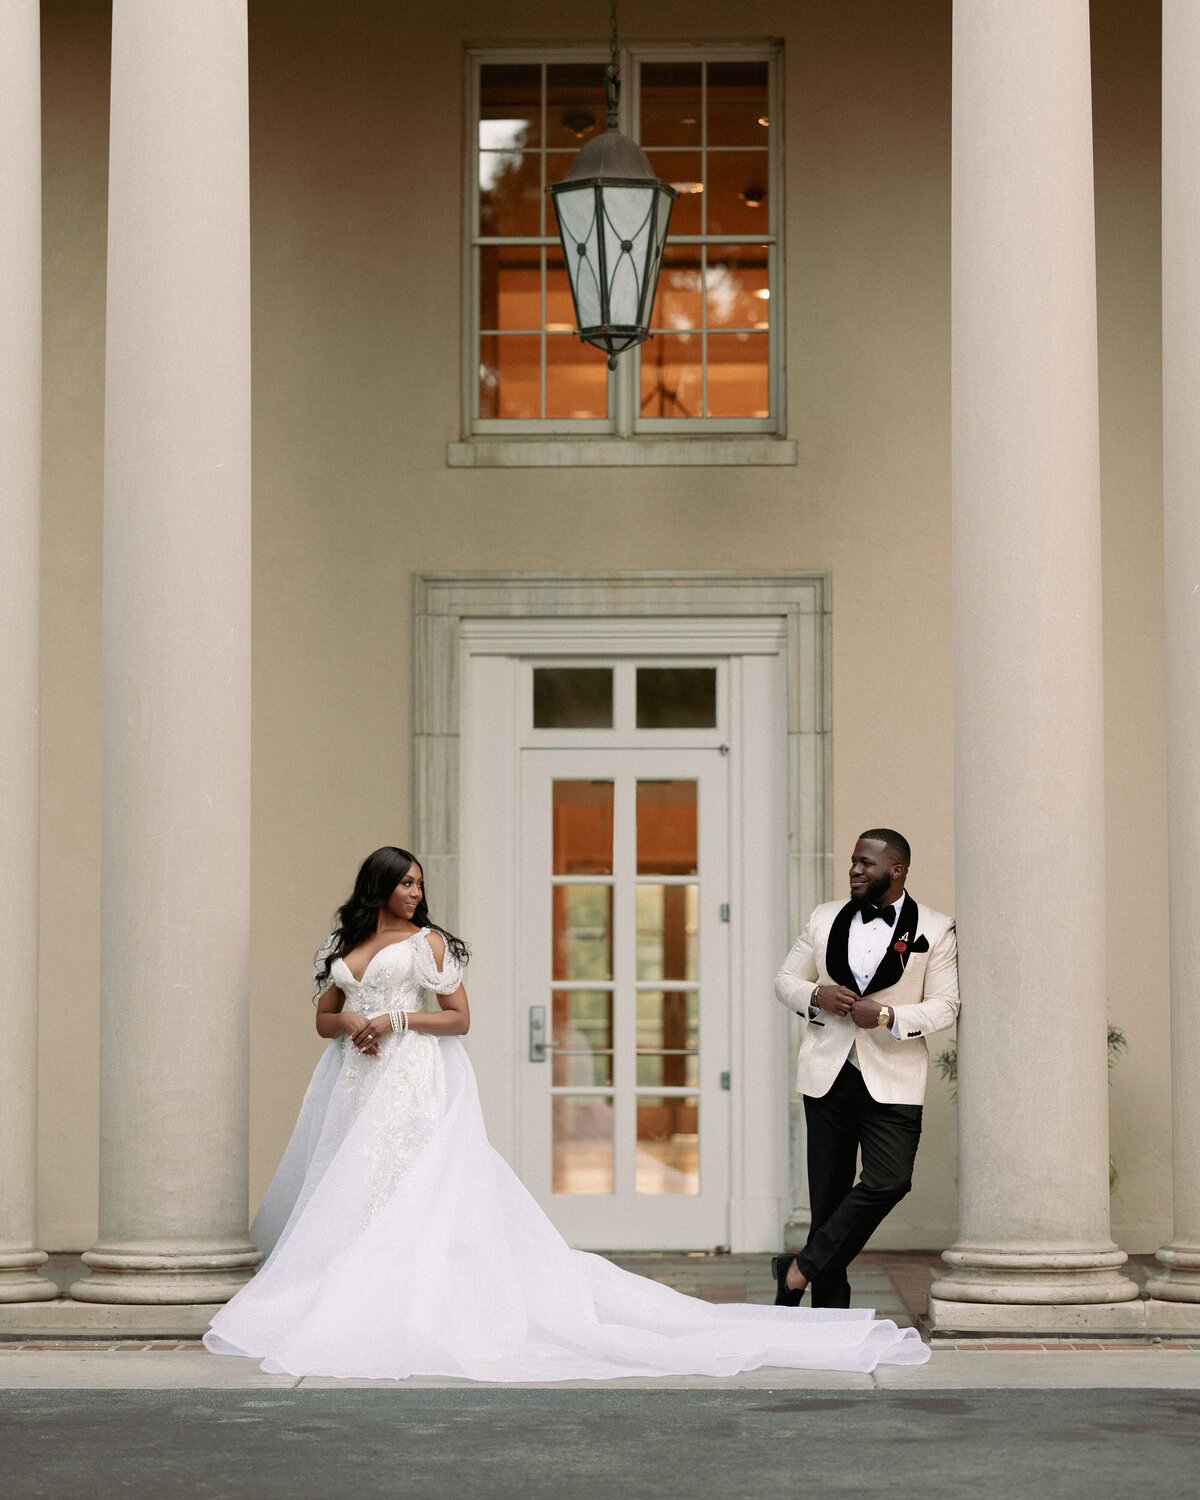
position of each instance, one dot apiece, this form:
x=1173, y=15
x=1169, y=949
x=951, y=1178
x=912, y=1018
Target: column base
x=1036, y=1320
x=1180, y=1281
x=1036, y=1279
x=19, y=1279
x=154, y=1277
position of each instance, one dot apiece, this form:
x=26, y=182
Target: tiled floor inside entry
x=895, y=1283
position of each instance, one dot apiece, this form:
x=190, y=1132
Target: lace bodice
x=394, y=978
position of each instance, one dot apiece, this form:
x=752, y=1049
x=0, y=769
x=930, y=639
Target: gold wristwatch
x=884, y=1018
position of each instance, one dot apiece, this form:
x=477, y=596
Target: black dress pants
x=845, y=1214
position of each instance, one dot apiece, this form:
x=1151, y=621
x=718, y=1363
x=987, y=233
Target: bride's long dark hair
x=377, y=878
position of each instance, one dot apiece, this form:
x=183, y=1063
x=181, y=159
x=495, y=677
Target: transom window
x=707, y=120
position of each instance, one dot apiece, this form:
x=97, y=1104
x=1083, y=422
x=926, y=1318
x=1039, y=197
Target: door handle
x=538, y=1045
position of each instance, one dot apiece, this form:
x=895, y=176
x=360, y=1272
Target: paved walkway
x=500, y=1444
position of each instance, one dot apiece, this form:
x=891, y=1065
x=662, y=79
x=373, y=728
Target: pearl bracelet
x=393, y=1017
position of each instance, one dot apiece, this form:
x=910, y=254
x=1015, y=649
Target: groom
x=873, y=977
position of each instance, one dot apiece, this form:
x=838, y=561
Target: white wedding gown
x=399, y=1243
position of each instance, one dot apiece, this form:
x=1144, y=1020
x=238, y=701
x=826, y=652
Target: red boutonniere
x=900, y=947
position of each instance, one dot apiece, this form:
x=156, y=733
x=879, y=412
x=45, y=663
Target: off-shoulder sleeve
x=321, y=981
x=443, y=981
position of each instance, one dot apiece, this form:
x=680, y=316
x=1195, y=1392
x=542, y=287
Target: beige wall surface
x=357, y=163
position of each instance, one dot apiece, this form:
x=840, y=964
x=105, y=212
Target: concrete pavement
x=502, y=1444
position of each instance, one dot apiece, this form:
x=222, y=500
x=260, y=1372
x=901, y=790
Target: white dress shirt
x=866, y=945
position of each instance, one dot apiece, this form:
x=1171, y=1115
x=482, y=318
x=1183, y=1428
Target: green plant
x=947, y=1065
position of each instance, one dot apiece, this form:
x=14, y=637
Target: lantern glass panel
x=576, y=210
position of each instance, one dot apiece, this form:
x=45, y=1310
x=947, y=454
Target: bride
x=399, y=1243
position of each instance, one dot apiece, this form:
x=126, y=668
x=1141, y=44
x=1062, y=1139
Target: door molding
x=802, y=600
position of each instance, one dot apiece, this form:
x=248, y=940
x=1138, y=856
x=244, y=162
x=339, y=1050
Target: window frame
x=624, y=420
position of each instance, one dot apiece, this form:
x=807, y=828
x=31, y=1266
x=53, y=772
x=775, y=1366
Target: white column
x=1180, y=1282
x=20, y=630
x=1033, y=1197
x=176, y=680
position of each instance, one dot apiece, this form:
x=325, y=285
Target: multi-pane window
x=705, y=122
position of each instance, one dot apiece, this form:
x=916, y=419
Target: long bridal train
x=401, y=1244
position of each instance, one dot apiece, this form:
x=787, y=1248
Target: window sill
x=599, y=453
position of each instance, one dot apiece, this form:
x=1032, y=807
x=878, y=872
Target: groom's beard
x=874, y=892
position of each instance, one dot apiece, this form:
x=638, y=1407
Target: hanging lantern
x=613, y=215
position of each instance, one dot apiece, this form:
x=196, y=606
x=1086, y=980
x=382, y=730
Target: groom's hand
x=836, y=999
x=865, y=1013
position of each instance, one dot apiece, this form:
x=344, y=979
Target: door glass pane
x=582, y=1149
x=666, y=828
x=583, y=827
x=668, y=1038
x=582, y=1037
x=668, y=1147
x=676, y=697
x=582, y=931
x=667, y=926
x=572, y=697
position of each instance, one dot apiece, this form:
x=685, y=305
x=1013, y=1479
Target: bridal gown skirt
x=401, y=1244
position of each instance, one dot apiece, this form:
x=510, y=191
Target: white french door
x=623, y=968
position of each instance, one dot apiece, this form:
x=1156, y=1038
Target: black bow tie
x=878, y=913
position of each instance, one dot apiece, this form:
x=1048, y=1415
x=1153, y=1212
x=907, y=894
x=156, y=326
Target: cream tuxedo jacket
x=918, y=978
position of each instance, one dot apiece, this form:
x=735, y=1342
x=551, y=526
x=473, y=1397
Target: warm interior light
x=688, y=187
x=689, y=120
x=763, y=121
x=763, y=293
x=753, y=196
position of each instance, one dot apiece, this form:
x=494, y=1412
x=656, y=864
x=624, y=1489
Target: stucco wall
x=357, y=152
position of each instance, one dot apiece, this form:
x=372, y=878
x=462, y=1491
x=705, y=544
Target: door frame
x=463, y=618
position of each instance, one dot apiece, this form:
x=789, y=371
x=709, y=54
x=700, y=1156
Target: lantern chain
x=612, y=78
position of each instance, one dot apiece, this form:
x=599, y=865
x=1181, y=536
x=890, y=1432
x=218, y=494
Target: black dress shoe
x=784, y=1296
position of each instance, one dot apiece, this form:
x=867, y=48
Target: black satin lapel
x=891, y=966
x=837, y=948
